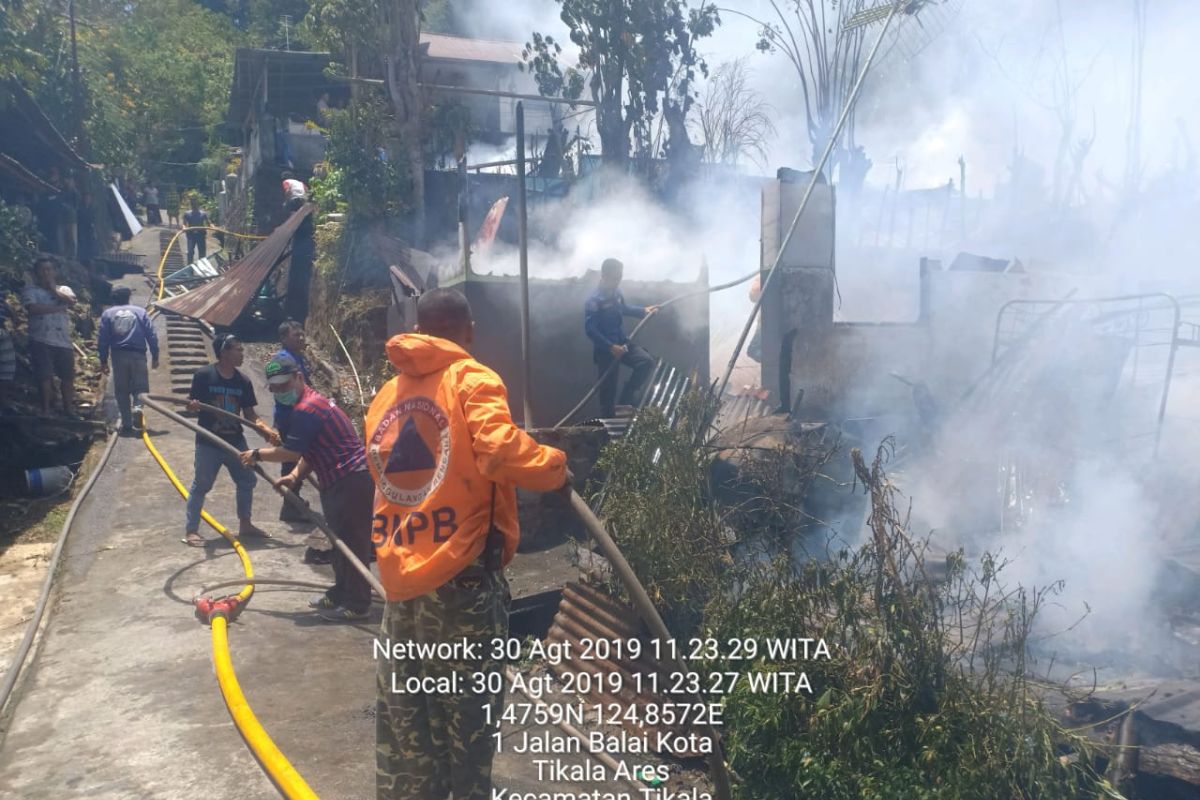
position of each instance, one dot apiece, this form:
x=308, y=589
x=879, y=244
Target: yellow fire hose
x=281, y=771
x=248, y=589
x=162, y=262
x=273, y=761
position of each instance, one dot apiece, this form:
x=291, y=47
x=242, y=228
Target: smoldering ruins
x=1007, y=297
x=922, y=380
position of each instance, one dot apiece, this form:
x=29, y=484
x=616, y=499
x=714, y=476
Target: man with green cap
x=320, y=439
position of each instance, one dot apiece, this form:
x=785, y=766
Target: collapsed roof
x=222, y=301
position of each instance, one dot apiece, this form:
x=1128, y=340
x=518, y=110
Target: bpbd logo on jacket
x=410, y=451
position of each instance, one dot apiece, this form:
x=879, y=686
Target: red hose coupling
x=207, y=608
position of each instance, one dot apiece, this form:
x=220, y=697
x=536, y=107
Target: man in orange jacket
x=446, y=458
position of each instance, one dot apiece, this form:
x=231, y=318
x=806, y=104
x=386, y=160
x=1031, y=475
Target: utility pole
x=287, y=38
x=76, y=89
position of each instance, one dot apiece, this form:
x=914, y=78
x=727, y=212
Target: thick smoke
x=1037, y=98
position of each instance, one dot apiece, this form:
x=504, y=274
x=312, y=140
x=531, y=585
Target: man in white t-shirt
x=294, y=192
x=50, y=348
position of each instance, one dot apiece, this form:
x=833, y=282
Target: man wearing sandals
x=222, y=385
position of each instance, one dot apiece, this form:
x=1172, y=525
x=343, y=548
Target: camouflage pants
x=429, y=745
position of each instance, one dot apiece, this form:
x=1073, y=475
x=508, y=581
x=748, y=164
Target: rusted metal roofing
x=222, y=301
x=587, y=615
x=490, y=227
x=458, y=48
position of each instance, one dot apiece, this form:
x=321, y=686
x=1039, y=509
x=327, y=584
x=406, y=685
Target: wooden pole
x=464, y=247
x=522, y=227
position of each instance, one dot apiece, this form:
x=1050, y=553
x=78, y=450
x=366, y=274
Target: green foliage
x=326, y=191
x=155, y=79
x=660, y=515
x=34, y=42
x=438, y=16
x=17, y=244
x=167, y=99
x=446, y=121
x=926, y=693
x=374, y=176
x=639, y=58
x=347, y=26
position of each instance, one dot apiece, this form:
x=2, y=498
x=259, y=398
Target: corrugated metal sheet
x=586, y=614
x=14, y=169
x=462, y=49
x=739, y=408
x=664, y=390
x=222, y=301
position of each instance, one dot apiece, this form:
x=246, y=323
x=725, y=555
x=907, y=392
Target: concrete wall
x=846, y=372
x=562, y=368
x=844, y=369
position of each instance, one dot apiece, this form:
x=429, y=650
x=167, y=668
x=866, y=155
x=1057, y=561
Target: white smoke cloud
x=984, y=88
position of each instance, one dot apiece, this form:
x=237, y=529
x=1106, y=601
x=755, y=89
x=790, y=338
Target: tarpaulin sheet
x=127, y=220
x=221, y=301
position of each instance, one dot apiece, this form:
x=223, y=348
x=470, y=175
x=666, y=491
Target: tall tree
x=826, y=55
x=388, y=34
x=401, y=64
x=152, y=100
x=148, y=100
x=637, y=59
x=734, y=119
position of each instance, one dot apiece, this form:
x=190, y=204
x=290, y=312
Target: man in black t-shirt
x=224, y=386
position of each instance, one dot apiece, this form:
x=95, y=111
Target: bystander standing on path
x=50, y=348
x=127, y=332
x=172, y=202
x=322, y=440
x=222, y=385
x=197, y=240
x=153, y=215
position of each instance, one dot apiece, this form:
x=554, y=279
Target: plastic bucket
x=48, y=480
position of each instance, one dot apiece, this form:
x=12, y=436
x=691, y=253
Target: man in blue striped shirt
x=322, y=440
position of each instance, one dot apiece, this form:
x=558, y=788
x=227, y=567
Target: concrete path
x=120, y=700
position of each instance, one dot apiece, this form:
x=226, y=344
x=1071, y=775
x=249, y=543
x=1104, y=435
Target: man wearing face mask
x=321, y=439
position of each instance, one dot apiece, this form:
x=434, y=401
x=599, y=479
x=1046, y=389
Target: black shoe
x=322, y=603
x=315, y=556
x=341, y=614
x=290, y=514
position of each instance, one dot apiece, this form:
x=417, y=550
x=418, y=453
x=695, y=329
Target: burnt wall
x=483, y=190
x=561, y=354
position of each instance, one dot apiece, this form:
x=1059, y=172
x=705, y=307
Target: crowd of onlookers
x=68, y=230
x=154, y=201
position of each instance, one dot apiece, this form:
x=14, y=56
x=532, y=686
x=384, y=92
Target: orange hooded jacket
x=438, y=436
